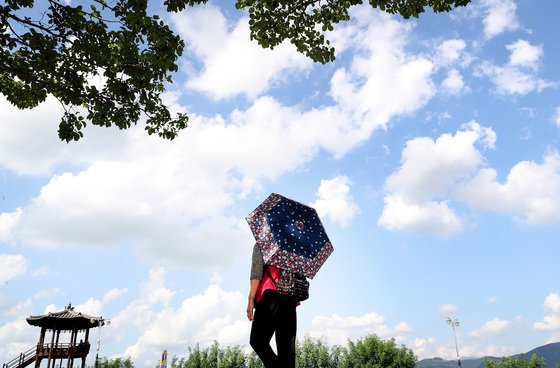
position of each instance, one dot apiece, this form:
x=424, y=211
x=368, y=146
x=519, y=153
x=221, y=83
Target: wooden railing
x=42, y=351
x=26, y=357
x=63, y=348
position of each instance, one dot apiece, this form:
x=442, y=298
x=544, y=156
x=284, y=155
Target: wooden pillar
x=69, y=362
x=74, y=346
x=51, y=349
x=40, y=347
x=83, y=352
x=42, y=337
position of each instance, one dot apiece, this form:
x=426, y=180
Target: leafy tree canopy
x=304, y=22
x=48, y=47
x=519, y=362
x=115, y=363
x=312, y=353
x=215, y=356
x=372, y=352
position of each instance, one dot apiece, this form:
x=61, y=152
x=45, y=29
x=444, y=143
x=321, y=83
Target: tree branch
x=38, y=26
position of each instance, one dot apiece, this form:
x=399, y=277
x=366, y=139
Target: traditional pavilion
x=52, y=347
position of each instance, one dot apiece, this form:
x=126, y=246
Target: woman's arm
x=251, y=304
x=257, y=270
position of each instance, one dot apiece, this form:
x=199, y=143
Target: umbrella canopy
x=290, y=235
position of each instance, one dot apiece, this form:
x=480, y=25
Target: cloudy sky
x=429, y=148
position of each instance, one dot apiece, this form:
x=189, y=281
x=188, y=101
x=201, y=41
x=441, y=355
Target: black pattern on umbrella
x=290, y=235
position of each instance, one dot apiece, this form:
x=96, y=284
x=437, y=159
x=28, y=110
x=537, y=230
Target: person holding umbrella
x=275, y=314
x=291, y=241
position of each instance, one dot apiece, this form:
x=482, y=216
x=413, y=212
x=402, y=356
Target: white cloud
x=426, y=347
x=500, y=17
x=16, y=337
x=113, y=294
x=430, y=170
x=550, y=322
x=47, y=293
x=482, y=349
x=233, y=64
x=497, y=350
x=448, y=309
x=217, y=278
x=29, y=143
x=50, y=309
x=21, y=310
x=453, y=84
x=8, y=221
x=557, y=116
x=112, y=201
x=433, y=173
x=88, y=208
x=519, y=74
x=37, y=126
x=552, y=303
x=451, y=52
x=386, y=80
x=510, y=80
x=531, y=191
x=142, y=189
x=492, y=299
x=215, y=244
x=524, y=54
x=339, y=329
x=11, y=265
x=430, y=347
x=431, y=218
x=140, y=312
x=92, y=307
x=335, y=200
x=213, y=315
x=42, y=271
x=491, y=328
x=5, y=303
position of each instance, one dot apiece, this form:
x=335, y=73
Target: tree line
x=368, y=352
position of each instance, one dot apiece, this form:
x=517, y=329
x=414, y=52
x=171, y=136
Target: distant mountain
x=442, y=363
x=550, y=353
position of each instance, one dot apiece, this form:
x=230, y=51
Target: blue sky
x=429, y=148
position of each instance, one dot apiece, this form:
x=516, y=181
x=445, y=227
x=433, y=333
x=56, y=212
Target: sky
x=429, y=149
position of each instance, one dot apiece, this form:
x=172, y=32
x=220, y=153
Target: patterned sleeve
x=257, y=264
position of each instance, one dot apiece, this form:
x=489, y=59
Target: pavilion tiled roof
x=67, y=319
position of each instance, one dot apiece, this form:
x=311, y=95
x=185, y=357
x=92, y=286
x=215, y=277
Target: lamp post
x=454, y=324
x=102, y=322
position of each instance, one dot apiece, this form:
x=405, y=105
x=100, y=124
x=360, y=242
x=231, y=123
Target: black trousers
x=275, y=314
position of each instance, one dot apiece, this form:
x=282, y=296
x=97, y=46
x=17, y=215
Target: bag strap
x=270, y=276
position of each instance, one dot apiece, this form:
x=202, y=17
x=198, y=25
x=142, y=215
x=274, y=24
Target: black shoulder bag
x=292, y=284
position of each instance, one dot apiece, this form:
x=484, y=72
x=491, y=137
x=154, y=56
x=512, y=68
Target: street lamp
x=102, y=322
x=453, y=325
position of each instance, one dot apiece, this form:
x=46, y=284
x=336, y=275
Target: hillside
x=550, y=353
